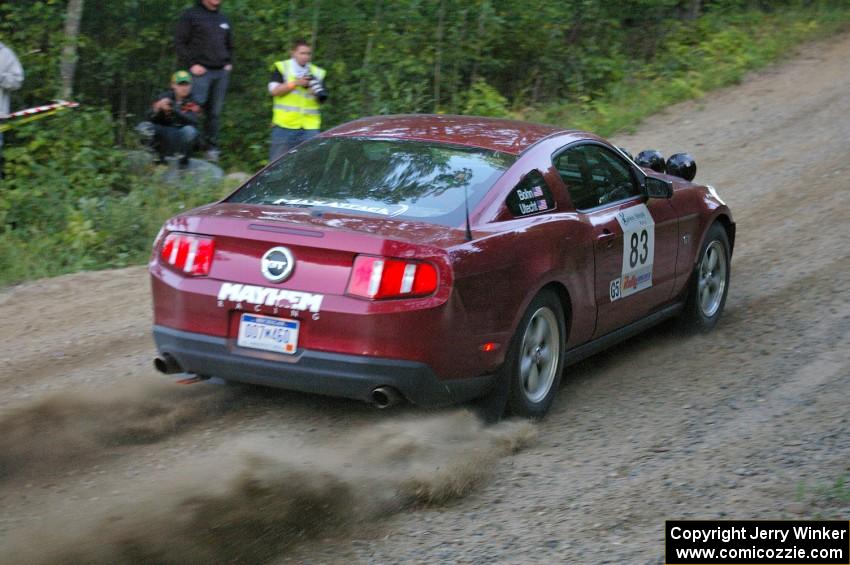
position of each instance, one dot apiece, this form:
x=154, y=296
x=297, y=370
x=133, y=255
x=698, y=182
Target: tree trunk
x=315, y=33
x=68, y=66
x=461, y=40
x=438, y=56
x=122, y=112
x=365, y=98
x=693, y=9
x=535, y=85
x=479, y=38
x=290, y=24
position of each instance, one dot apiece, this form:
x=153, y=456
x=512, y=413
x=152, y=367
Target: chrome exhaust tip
x=167, y=365
x=385, y=396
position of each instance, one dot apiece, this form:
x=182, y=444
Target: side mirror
x=657, y=188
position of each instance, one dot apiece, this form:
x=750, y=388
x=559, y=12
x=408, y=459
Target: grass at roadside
x=115, y=230
x=713, y=52
x=825, y=498
x=72, y=201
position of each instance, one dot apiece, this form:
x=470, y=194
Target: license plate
x=269, y=334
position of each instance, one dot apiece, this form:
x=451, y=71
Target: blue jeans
x=284, y=139
x=169, y=140
x=208, y=91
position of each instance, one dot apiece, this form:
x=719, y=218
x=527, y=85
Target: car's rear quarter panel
x=499, y=275
x=523, y=255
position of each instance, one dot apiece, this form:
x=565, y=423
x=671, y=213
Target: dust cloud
x=256, y=497
x=67, y=429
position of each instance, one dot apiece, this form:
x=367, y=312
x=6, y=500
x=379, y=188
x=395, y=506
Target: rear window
x=389, y=178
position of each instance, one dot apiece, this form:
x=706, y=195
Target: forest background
x=72, y=197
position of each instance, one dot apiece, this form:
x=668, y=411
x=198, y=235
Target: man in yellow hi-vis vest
x=298, y=89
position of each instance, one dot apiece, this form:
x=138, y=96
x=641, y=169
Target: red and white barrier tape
x=40, y=109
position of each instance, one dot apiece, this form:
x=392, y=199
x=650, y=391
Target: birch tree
x=68, y=65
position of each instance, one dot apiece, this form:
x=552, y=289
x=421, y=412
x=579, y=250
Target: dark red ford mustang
x=437, y=259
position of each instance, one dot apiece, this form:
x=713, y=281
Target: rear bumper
x=319, y=372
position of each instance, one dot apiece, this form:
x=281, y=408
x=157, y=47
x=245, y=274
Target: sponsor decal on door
x=638, y=252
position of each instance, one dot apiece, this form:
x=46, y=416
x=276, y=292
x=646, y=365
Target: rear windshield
x=389, y=178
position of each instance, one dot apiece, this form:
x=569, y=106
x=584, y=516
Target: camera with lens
x=316, y=87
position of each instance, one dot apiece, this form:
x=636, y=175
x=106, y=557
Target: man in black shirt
x=204, y=46
x=172, y=120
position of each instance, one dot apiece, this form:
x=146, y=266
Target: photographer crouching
x=298, y=89
x=172, y=123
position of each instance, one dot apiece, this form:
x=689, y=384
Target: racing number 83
x=639, y=248
x=637, y=252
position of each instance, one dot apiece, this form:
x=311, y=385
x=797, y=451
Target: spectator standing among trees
x=297, y=86
x=173, y=119
x=11, y=78
x=205, y=46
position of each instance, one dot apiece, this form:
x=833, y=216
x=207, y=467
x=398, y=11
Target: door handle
x=606, y=238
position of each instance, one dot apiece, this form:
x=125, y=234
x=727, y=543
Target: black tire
x=508, y=393
x=709, y=285
x=536, y=348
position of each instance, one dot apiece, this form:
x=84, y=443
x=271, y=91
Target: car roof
x=508, y=136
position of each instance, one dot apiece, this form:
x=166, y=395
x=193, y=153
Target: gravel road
x=102, y=460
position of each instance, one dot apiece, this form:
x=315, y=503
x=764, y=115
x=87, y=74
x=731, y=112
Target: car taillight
x=381, y=277
x=191, y=254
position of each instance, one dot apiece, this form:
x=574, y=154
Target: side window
x=595, y=176
x=530, y=196
x=574, y=169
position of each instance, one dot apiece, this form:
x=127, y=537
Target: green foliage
x=715, y=50
x=484, y=100
x=75, y=201
x=824, y=497
x=413, y=55
x=33, y=29
x=72, y=195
